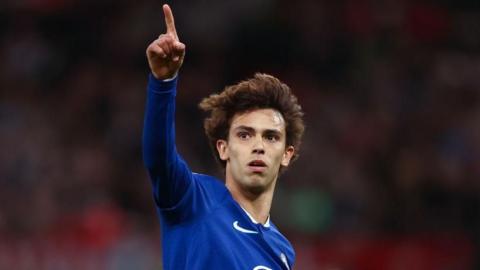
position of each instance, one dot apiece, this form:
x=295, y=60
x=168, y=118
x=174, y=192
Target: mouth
x=257, y=166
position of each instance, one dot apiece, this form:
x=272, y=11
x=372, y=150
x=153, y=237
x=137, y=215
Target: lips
x=257, y=166
x=257, y=163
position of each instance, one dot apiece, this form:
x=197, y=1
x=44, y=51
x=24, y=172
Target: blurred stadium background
x=389, y=173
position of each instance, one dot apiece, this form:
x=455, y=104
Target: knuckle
x=161, y=38
x=150, y=48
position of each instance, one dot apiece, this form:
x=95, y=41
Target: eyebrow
x=251, y=129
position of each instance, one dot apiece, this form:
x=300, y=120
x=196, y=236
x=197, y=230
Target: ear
x=222, y=149
x=287, y=155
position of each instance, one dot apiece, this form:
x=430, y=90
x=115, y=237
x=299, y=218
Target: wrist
x=161, y=86
x=171, y=78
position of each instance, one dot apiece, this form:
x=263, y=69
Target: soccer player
x=254, y=128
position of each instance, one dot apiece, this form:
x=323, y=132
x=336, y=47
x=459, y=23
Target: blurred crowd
x=391, y=92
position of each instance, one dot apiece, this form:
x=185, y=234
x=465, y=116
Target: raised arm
x=169, y=174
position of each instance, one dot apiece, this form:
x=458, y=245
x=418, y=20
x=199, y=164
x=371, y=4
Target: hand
x=165, y=54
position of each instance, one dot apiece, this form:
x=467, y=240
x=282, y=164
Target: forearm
x=159, y=127
x=167, y=171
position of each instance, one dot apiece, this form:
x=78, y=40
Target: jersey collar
x=267, y=223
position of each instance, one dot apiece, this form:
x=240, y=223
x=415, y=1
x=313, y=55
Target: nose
x=258, y=151
x=258, y=147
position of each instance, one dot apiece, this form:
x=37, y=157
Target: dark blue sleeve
x=169, y=174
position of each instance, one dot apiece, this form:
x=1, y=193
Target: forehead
x=259, y=119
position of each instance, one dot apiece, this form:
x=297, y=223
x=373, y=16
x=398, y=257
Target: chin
x=256, y=189
x=257, y=185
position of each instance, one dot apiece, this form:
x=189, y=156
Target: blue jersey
x=202, y=226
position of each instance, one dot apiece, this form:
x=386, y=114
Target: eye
x=243, y=135
x=272, y=137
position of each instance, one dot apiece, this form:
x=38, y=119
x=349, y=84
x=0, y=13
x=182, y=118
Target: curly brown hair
x=260, y=92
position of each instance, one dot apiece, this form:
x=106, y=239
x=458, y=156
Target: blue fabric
x=202, y=226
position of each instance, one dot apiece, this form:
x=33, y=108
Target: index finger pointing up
x=169, y=21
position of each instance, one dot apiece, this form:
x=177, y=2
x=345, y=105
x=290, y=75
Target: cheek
x=234, y=152
x=279, y=150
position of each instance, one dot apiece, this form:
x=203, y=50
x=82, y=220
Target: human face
x=255, y=150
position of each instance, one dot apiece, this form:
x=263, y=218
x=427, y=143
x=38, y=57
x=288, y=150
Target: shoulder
x=283, y=243
x=209, y=182
x=203, y=195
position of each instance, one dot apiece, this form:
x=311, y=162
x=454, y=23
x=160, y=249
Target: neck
x=256, y=204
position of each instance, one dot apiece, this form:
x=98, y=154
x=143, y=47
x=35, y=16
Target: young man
x=254, y=128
